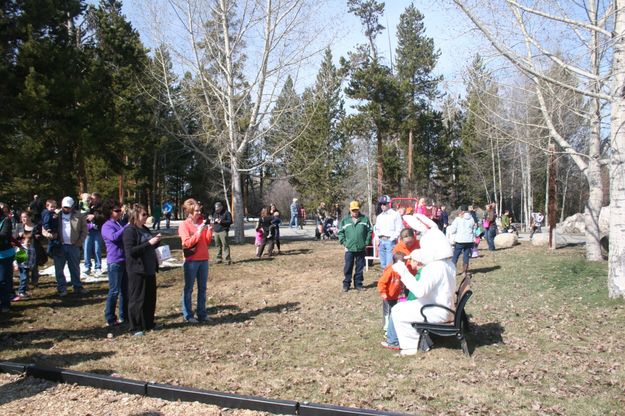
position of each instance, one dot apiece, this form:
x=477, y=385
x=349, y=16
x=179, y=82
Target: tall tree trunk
x=616, y=258
x=380, y=160
x=410, y=161
x=566, y=186
x=237, y=205
x=79, y=163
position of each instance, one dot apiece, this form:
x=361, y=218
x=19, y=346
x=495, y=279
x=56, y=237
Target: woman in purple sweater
x=112, y=232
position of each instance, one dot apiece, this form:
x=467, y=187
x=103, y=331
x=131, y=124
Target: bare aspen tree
x=239, y=54
x=589, y=37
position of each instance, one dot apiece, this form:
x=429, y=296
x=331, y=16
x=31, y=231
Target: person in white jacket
x=437, y=284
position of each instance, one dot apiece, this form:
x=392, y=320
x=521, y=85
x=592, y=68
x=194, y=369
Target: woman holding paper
x=141, y=266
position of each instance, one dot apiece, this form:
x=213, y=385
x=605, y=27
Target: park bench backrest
x=462, y=297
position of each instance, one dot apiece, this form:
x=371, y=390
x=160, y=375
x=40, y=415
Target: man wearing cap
x=221, y=220
x=294, y=208
x=355, y=236
x=72, y=234
x=388, y=225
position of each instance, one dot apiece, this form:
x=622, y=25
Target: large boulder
x=574, y=224
x=506, y=240
x=542, y=239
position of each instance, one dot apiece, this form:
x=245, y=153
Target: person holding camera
x=221, y=220
x=196, y=236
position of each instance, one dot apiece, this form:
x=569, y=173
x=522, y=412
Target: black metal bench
x=455, y=328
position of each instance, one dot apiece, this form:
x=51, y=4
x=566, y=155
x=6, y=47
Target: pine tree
x=416, y=59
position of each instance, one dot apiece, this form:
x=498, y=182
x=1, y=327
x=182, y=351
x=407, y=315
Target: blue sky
x=445, y=24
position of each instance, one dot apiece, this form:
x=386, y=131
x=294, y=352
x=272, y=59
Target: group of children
x=391, y=289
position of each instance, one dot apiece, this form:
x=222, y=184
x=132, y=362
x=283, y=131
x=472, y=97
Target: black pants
x=141, y=301
x=352, y=259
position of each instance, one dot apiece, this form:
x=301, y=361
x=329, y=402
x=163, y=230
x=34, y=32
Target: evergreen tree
x=317, y=160
x=416, y=59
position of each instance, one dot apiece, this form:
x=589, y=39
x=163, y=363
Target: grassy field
x=544, y=336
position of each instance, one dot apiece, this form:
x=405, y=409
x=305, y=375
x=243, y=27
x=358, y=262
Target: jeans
x=351, y=258
x=293, y=223
x=70, y=254
x=93, y=246
x=391, y=335
x=386, y=252
x=195, y=270
x=221, y=242
x=25, y=274
x=465, y=249
x=6, y=282
x=491, y=232
x=386, y=311
x=157, y=223
x=118, y=287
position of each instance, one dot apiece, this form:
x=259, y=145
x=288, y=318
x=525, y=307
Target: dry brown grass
x=544, y=335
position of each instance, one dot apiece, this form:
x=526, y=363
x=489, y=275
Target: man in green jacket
x=355, y=235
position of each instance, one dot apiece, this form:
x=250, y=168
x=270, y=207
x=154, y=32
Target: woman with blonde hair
x=141, y=266
x=196, y=237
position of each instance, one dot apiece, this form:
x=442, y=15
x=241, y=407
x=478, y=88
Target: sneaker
x=394, y=347
x=16, y=298
x=80, y=291
x=112, y=324
x=206, y=320
x=98, y=273
x=138, y=334
x=87, y=272
x=359, y=288
x=192, y=320
x=345, y=289
x=63, y=293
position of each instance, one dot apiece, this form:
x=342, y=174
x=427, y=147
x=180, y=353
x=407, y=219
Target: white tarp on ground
x=49, y=271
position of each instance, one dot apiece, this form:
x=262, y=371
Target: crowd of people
x=418, y=251
x=82, y=228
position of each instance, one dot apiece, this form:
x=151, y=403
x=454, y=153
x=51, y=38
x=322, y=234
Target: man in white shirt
x=388, y=225
x=72, y=234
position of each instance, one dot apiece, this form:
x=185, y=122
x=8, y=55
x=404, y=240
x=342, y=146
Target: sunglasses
x=144, y=214
x=117, y=210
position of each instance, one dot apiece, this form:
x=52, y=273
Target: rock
x=574, y=224
x=506, y=240
x=542, y=239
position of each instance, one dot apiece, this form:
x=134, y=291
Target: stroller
x=330, y=229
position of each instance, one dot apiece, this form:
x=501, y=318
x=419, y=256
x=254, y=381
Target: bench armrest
x=434, y=305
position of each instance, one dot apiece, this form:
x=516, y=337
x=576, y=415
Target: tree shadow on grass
x=296, y=252
x=485, y=269
x=46, y=338
x=241, y=316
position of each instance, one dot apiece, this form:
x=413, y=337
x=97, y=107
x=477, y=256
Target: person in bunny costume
x=437, y=283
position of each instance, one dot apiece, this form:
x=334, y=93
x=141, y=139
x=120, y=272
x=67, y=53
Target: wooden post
x=552, y=194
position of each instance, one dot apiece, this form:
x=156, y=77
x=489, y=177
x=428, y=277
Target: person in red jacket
x=196, y=237
x=390, y=287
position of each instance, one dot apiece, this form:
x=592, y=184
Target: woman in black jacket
x=141, y=266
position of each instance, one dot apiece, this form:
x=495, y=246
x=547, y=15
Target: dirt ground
x=281, y=328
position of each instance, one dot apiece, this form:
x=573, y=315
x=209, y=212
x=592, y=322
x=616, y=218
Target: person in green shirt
x=505, y=221
x=355, y=235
